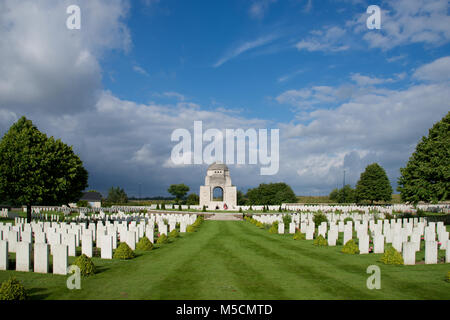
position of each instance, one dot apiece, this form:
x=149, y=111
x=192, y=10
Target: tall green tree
x=179, y=191
x=117, y=195
x=37, y=170
x=426, y=176
x=374, y=185
x=271, y=194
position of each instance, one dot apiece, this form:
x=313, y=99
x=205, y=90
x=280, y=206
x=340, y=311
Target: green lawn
x=236, y=260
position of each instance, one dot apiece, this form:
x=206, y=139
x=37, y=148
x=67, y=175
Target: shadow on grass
x=101, y=269
x=37, y=293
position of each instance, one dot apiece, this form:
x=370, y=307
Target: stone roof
x=218, y=166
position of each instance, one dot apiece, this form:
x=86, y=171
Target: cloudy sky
x=342, y=96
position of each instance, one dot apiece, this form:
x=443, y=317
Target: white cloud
x=246, y=46
x=363, y=80
x=329, y=39
x=438, y=70
x=307, y=98
x=407, y=21
x=140, y=70
x=374, y=125
x=44, y=67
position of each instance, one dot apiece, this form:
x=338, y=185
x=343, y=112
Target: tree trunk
x=29, y=213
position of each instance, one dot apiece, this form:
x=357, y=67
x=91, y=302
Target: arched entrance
x=217, y=194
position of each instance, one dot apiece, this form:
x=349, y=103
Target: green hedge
x=299, y=236
x=350, y=247
x=87, y=267
x=144, y=244
x=174, y=234
x=162, y=239
x=320, y=241
x=274, y=227
x=12, y=289
x=123, y=252
x=392, y=256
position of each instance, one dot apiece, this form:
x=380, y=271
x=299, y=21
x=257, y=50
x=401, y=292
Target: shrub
x=162, y=239
x=319, y=217
x=392, y=256
x=259, y=225
x=350, y=247
x=157, y=207
x=144, y=244
x=320, y=241
x=299, y=236
x=123, y=252
x=190, y=228
x=87, y=267
x=274, y=227
x=240, y=209
x=204, y=209
x=12, y=289
x=174, y=234
x=448, y=277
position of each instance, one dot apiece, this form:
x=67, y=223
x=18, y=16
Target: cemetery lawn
x=236, y=260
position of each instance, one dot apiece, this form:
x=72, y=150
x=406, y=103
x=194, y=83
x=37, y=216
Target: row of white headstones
x=291, y=207
x=405, y=235
x=60, y=239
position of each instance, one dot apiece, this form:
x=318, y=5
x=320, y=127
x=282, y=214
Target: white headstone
x=41, y=253
x=447, y=252
x=86, y=245
x=378, y=244
x=23, y=256
x=397, y=242
x=348, y=235
x=4, y=261
x=69, y=239
x=60, y=258
x=107, y=247
x=12, y=240
x=409, y=253
x=363, y=245
x=131, y=239
x=431, y=251
x=281, y=228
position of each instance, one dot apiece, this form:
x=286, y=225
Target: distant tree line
x=372, y=186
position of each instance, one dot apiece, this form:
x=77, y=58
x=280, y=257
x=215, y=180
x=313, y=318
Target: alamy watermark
x=374, y=20
x=374, y=281
x=73, y=22
x=256, y=140
x=74, y=280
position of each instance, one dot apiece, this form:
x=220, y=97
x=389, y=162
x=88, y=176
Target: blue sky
x=343, y=96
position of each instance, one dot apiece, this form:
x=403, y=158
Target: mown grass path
x=236, y=260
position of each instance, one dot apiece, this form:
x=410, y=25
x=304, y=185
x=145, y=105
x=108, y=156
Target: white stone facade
x=218, y=176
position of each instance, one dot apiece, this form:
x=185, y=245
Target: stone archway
x=217, y=194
